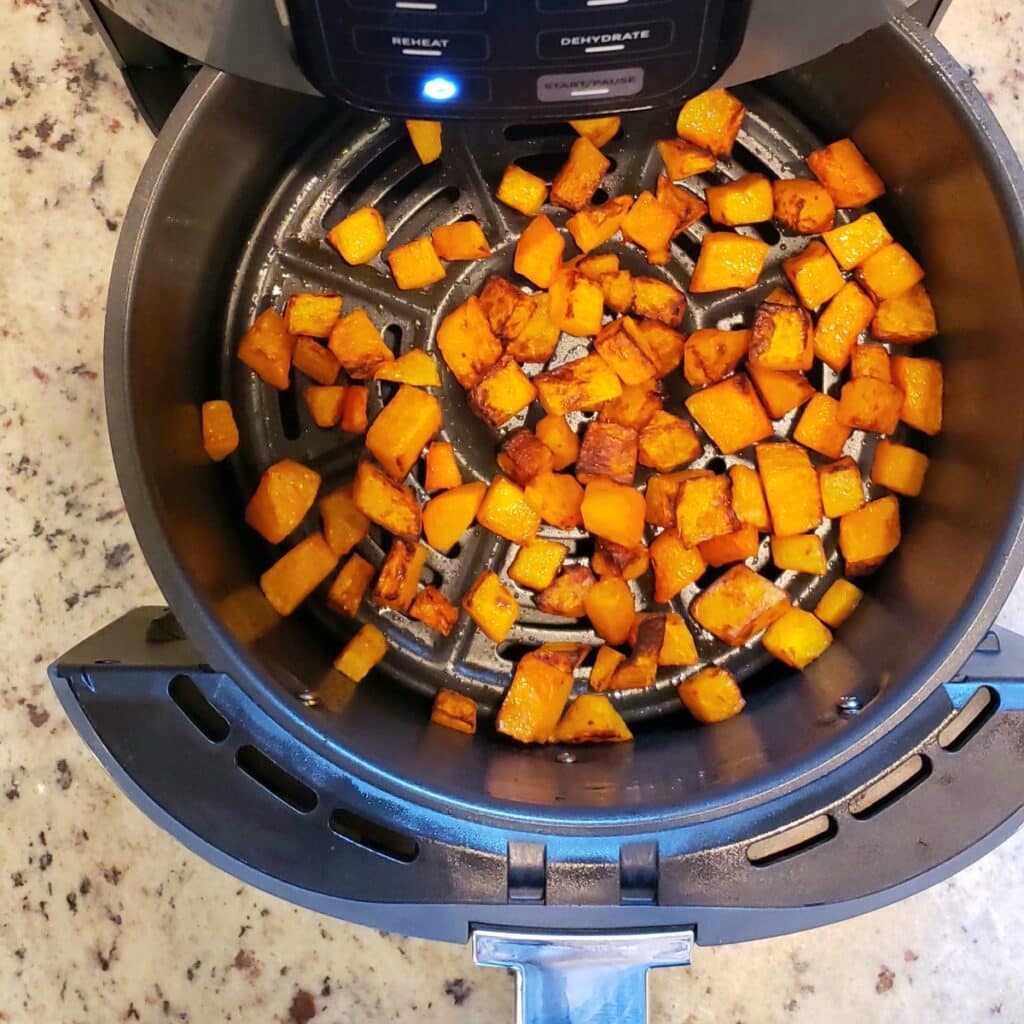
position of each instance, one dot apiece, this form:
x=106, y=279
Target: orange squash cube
x=360, y=236
x=853, y=243
x=524, y=456
x=343, y=525
x=889, y=273
x=782, y=391
x=838, y=603
x=385, y=502
x=362, y=653
x=849, y=178
x=598, y=129
x=402, y=429
x=676, y=565
x=634, y=408
x=614, y=512
x=814, y=275
x=782, y=338
x=601, y=263
x=539, y=252
x=453, y=710
x=899, y=468
x=580, y=176
x=841, y=487
x=536, y=564
x=463, y=240
x=579, y=385
x=324, y=404
x=803, y=207
x=556, y=497
x=821, y=427
x=869, y=360
x=611, y=559
x=687, y=207
x=728, y=261
x=436, y=612
x=522, y=190
x=506, y=512
x=869, y=535
x=730, y=413
x=450, y=514
x=297, y=573
x=316, y=361
x=506, y=307
x=739, y=605
x=355, y=416
x=414, y=367
x=667, y=442
x=503, y=392
x=623, y=355
x=609, y=605
x=566, y=597
x=575, y=303
x=841, y=322
x=640, y=670
x=312, y=315
x=748, y=498
x=802, y=553
x=658, y=300
x=491, y=605
x=266, y=348
x=790, y=488
x=704, y=509
x=560, y=439
x=467, y=343
x=535, y=340
x=662, y=345
x=608, y=450
x=220, y=432
x=869, y=404
x=684, y=160
x=400, y=575
x=737, y=546
x=661, y=495
x=426, y=139
x=650, y=224
x=595, y=225
x=415, y=264
x=906, y=319
x=711, y=120
x=748, y=200
x=537, y=696
x=710, y=355
x=358, y=345
x=711, y=695
x=607, y=661
x=286, y=492
x=920, y=380
x=350, y=585
x=591, y=718
x=678, y=647
x=797, y=639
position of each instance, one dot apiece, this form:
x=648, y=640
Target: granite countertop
x=107, y=919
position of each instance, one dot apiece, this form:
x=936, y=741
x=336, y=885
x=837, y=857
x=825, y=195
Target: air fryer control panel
x=544, y=59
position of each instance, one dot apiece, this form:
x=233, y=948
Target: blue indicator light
x=440, y=89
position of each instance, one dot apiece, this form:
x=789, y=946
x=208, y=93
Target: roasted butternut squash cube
x=920, y=380
x=599, y=130
x=358, y=345
x=738, y=605
x=266, y=348
x=504, y=391
x=575, y=303
x=849, y=178
x=838, y=603
x=402, y=429
x=426, y=139
x=748, y=200
x=853, y=243
x=350, y=585
x=821, y=428
x=684, y=160
x=704, y=509
x=436, y=612
x=601, y=263
x=609, y=605
x=491, y=605
x=311, y=314
x=889, y=272
x=681, y=201
x=362, y=653
x=467, y=343
x=803, y=553
x=591, y=718
x=711, y=120
x=536, y=339
x=413, y=367
x=660, y=343
x=506, y=512
x=297, y=573
x=711, y=695
x=676, y=565
x=450, y=514
x=614, y=560
x=399, y=576
x=385, y=502
x=868, y=536
x=625, y=357
x=727, y=548
x=522, y=190
x=360, y=236
x=463, y=240
x=667, y=442
x=343, y=525
x=220, y=432
x=797, y=639
x=782, y=391
x=580, y=176
x=650, y=224
x=506, y=307
x=285, y=494
x=566, y=596
x=580, y=385
x=316, y=361
x=415, y=265
x=841, y=322
x=539, y=252
x=906, y=319
x=730, y=413
x=355, y=417
x=595, y=225
x=678, y=647
x=841, y=487
x=607, y=661
x=662, y=492
x=790, y=488
x=536, y=564
x=324, y=404
x=803, y=207
x=454, y=710
x=617, y=289
x=899, y=468
x=608, y=450
x=869, y=404
x=710, y=355
x=536, y=698
x=782, y=338
x=658, y=300
x=560, y=439
x=868, y=360
x=524, y=456
x=557, y=498
x=814, y=275
x=613, y=512
x=728, y=261
x=748, y=501
x=640, y=670
x=634, y=408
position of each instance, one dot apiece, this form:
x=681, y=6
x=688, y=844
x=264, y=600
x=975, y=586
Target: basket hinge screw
x=849, y=706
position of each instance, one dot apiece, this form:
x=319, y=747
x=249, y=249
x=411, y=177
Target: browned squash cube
x=711, y=695
x=506, y=307
x=711, y=120
x=869, y=360
x=803, y=553
x=704, y=509
x=266, y=348
x=782, y=338
x=611, y=559
x=681, y=201
x=316, y=361
x=598, y=129
x=450, y=514
x=710, y=355
x=667, y=442
x=344, y=526
x=220, y=432
x=536, y=564
x=415, y=264
x=522, y=190
x=523, y=456
x=738, y=605
x=591, y=718
x=803, y=207
x=849, y=178
x=560, y=439
x=575, y=303
x=730, y=413
x=727, y=548
x=577, y=386
x=821, y=427
x=889, y=272
x=660, y=343
x=676, y=565
x=678, y=647
x=728, y=261
x=841, y=322
x=920, y=380
x=595, y=225
x=607, y=661
x=613, y=512
x=684, y=160
x=358, y=345
x=296, y=574
x=312, y=315
x=580, y=176
x=435, y=611
x=608, y=450
x=386, y=503
x=536, y=698
x=634, y=408
x=535, y=340
x=539, y=252
x=853, y=243
x=324, y=404
x=426, y=139
x=661, y=495
x=350, y=585
x=797, y=639
x=651, y=225
x=506, y=512
x=467, y=343
x=814, y=275
x=400, y=575
x=906, y=319
x=463, y=240
x=658, y=300
x=782, y=391
x=868, y=536
x=748, y=498
x=355, y=410
x=285, y=494
x=362, y=653
x=566, y=597
x=491, y=605
x=454, y=711
x=841, y=487
x=899, y=468
x=442, y=470
x=557, y=499
x=360, y=236
x=790, y=488
x=640, y=670
x=504, y=391
x=838, y=603
x=625, y=357
x=748, y=200
x=402, y=429
x=870, y=404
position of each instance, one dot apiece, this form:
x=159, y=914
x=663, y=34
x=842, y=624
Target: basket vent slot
x=374, y=170
x=792, y=841
x=534, y=132
x=638, y=873
x=289, y=407
x=527, y=872
x=891, y=787
x=197, y=709
x=275, y=780
x=969, y=720
x=373, y=836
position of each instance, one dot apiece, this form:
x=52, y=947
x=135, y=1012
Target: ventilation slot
x=544, y=165
x=374, y=837
x=392, y=336
x=349, y=196
x=513, y=652
x=289, y=407
x=690, y=247
x=404, y=187
x=792, y=842
x=638, y=873
x=527, y=872
x=969, y=721
x=198, y=710
x=535, y=132
x=275, y=780
x=891, y=788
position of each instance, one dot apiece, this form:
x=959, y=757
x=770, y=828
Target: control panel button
x=439, y=90
x=576, y=87
x=624, y=40
x=422, y=6
x=562, y=6
x=435, y=44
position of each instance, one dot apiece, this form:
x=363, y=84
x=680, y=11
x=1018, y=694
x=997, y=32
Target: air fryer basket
x=365, y=810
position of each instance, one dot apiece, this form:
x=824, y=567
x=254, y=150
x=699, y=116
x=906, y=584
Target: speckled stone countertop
x=103, y=918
